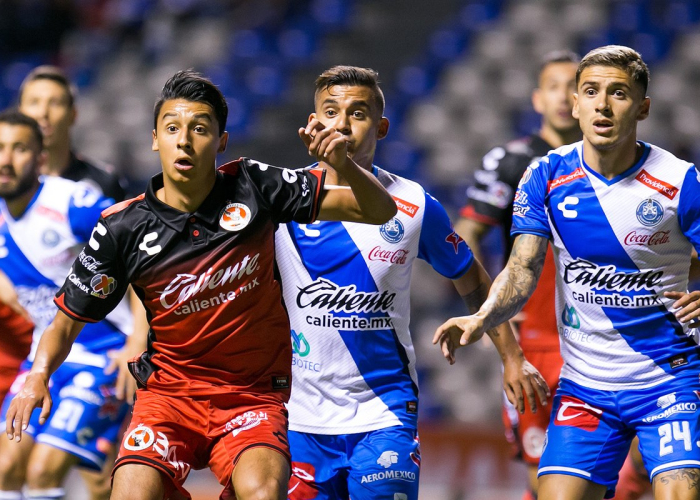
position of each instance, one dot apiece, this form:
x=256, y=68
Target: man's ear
x=574, y=109
x=644, y=109
x=537, y=101
x=223, y=141
x=154, y=144
x=312, y=116
x=383, y=128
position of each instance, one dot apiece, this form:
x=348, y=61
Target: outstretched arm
x=513, y=286
x=54, y=347
x=520, y=379
x=365, y=200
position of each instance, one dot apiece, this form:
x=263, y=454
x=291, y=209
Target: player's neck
x=613, y=161
x=559, y=138
x=57, y=158
x=17, y=206
x=186, y=196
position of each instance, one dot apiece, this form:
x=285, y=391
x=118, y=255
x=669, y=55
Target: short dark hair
x=558, y=56
x=617, y=56
x=193, y=86
x=14, y=117
x=353, y=76
x=53, y=73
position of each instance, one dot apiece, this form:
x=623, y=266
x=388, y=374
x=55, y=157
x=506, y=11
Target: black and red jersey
x=207, y=280
x=491, y=202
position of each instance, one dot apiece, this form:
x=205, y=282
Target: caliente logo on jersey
x=235, y=217
x=650, y=212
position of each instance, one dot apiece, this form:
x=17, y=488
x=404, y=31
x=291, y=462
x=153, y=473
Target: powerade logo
x=650, y=212
x=392, y=231
x=570, y=318
x=300, y=345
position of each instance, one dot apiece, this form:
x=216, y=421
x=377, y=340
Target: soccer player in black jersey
x=198, y=249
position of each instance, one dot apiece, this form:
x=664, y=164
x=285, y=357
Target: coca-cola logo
x=392, y=257
x=598, y=277
x=324, y=294
x=646, y=239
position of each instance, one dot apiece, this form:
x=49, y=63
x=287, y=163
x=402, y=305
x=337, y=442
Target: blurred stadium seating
x=457, y=76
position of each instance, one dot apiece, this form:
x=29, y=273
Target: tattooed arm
x=520, y=379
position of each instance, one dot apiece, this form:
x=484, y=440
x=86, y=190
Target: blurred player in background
x=491, y=205
x=47, y=95
x=198, y=248
x=354, y=404
x=45, y=223
x=622, y=216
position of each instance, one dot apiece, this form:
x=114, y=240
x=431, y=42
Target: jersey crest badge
x=235, y=217
x=392, y=231
x=650, y=212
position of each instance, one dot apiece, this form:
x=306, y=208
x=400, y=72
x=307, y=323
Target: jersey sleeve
x=529, y=214
x=440, y=245
x=97, y=281
x=84, y=209
x=689, y=207
x=293, y=195
x=490, y=198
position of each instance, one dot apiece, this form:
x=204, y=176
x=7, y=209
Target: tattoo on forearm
x=515, y=283
x=475, y=299
x=689, y=476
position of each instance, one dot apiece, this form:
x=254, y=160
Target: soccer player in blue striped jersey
x=354, y=403
x=623, y=217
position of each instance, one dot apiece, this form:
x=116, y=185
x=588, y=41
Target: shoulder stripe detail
x=232, y=167
x=60, y=302
x=320, y=174
x=118, y=207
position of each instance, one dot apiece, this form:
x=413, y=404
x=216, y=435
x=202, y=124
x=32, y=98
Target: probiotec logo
x=186, y=286
x=324, y=294
x=406, y=207
x=662, y=187
x=576, y=174
x=598, y=277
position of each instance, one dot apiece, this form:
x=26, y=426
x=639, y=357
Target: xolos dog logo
x=235, y=217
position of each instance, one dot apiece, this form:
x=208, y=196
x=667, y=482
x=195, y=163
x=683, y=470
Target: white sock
x=47, y=494
x=10, y=495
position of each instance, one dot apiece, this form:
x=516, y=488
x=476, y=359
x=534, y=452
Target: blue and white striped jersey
x=346, y=287
x=618, y=244
x=37, y=251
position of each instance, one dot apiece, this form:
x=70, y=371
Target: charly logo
x=570, y=318
x=300, y=345
x=650, y=212
x=392, y=231
x=235, y=217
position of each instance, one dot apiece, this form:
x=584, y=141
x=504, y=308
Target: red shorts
x=525, y=432
x=177, y=434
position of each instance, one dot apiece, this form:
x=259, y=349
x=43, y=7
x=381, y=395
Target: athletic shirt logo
x=650, y=212
x=392, y=231
x=235, y=217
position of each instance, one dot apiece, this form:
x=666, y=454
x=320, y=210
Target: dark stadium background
x=457, y=76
